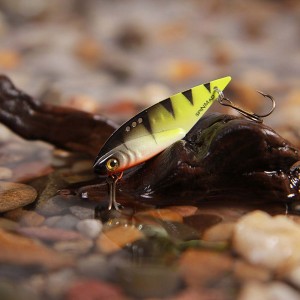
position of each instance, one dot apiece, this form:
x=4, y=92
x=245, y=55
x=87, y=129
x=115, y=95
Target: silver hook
x=252, y=116
x=112, y=182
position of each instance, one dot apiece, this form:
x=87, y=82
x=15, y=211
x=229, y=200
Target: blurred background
x=115, y=57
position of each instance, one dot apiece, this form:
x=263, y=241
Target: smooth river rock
x=14, y=195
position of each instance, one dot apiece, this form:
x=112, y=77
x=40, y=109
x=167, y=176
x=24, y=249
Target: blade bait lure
x=155, y=128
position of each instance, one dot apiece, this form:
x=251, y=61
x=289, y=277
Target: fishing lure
x=153, y=130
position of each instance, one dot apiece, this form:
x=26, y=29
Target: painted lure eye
x=112, y=164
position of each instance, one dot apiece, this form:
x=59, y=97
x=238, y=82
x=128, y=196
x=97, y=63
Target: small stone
x=89, y=228
x=50, y=234
x=14, y=195
x=164, y=214
x=184, y=211
x=57, y=283
x=8, y=225
x=82, y=212
x=94, y=289
x=145, y=281
x=5, y=173
x=221, y=232
x=116, y=238
x=74, y=247
x=51, y=221
x=84, y=103
x=275, y=290
x=204, y=267
x=32, y=218
x=57, y=205
x=272, y=242
x=88, y=50
x=93, y=266
x=23, y=251
x=66, y=222
x=245, y=271
x=201, y=222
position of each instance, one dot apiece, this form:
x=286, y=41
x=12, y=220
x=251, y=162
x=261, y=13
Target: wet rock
x=89, y=228
x=277, y=290
x=163, y=214
x=31, y=218
x=14, y=195
x=74, y=247
x=94, y=289
x=116, y=238
x=214, y=266
x=57, y=205
x=221, y=232
x=8, y=225
x=50, y=234
x=145, y=281
x=67, y=222
x=245, y=271
x=82, y=212
x=93, y=266
x=272, y=242
x=202, y=221
x=180, y=231
x=23, y=251
x=184, y=210
x=51, y=221
x=57, y=283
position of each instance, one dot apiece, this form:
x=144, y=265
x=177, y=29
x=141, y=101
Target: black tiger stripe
x=207, y=86
x=167, y=104
x=188, y=95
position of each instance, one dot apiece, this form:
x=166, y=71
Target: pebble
x=94, y=289
x=221, y=232
x=31, y=218
x=116, y=238
x=5, y=173
x=202, y=221
x=50, y=234
x=9, y=59
x=93, y=266
x=204, y=267
x=23, y=251
x=245, y=271
x=8, y=225
x=272, y=242
x=275, y=290
x=74, y=247
x=145, y=281
x=67, y=222
x=51, y=221
x=89, y=228
x=82, y=212
x=184, y=211
x=14, y=195
x=163, y=214
x=57, y=205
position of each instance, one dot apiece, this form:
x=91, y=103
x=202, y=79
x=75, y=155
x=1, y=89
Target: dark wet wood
x=63, y=127
x=222, y=159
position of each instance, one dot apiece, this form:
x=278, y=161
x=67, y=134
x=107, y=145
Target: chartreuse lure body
x=156, y=128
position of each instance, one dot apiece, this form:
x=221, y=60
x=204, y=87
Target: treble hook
x=112, y=182
x=252, y=116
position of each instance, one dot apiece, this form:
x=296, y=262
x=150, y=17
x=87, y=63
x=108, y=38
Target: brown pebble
x=50, y=234
x=246, y=271
x=203, y=267
x=118, y=237
x=184, y=210
x=202, y=221
x=221, y=232
x=5, y=173
x=94, y=290
x=164, y=214
x=32, y=218
x=14, y=195
x=9, y=59
x=19, y=250
x=88, y=50
x=8, y=225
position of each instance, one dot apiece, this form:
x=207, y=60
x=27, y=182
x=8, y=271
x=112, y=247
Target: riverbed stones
x=15, y=195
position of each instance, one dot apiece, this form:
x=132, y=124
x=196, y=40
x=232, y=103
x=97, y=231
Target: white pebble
x=89, y=227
